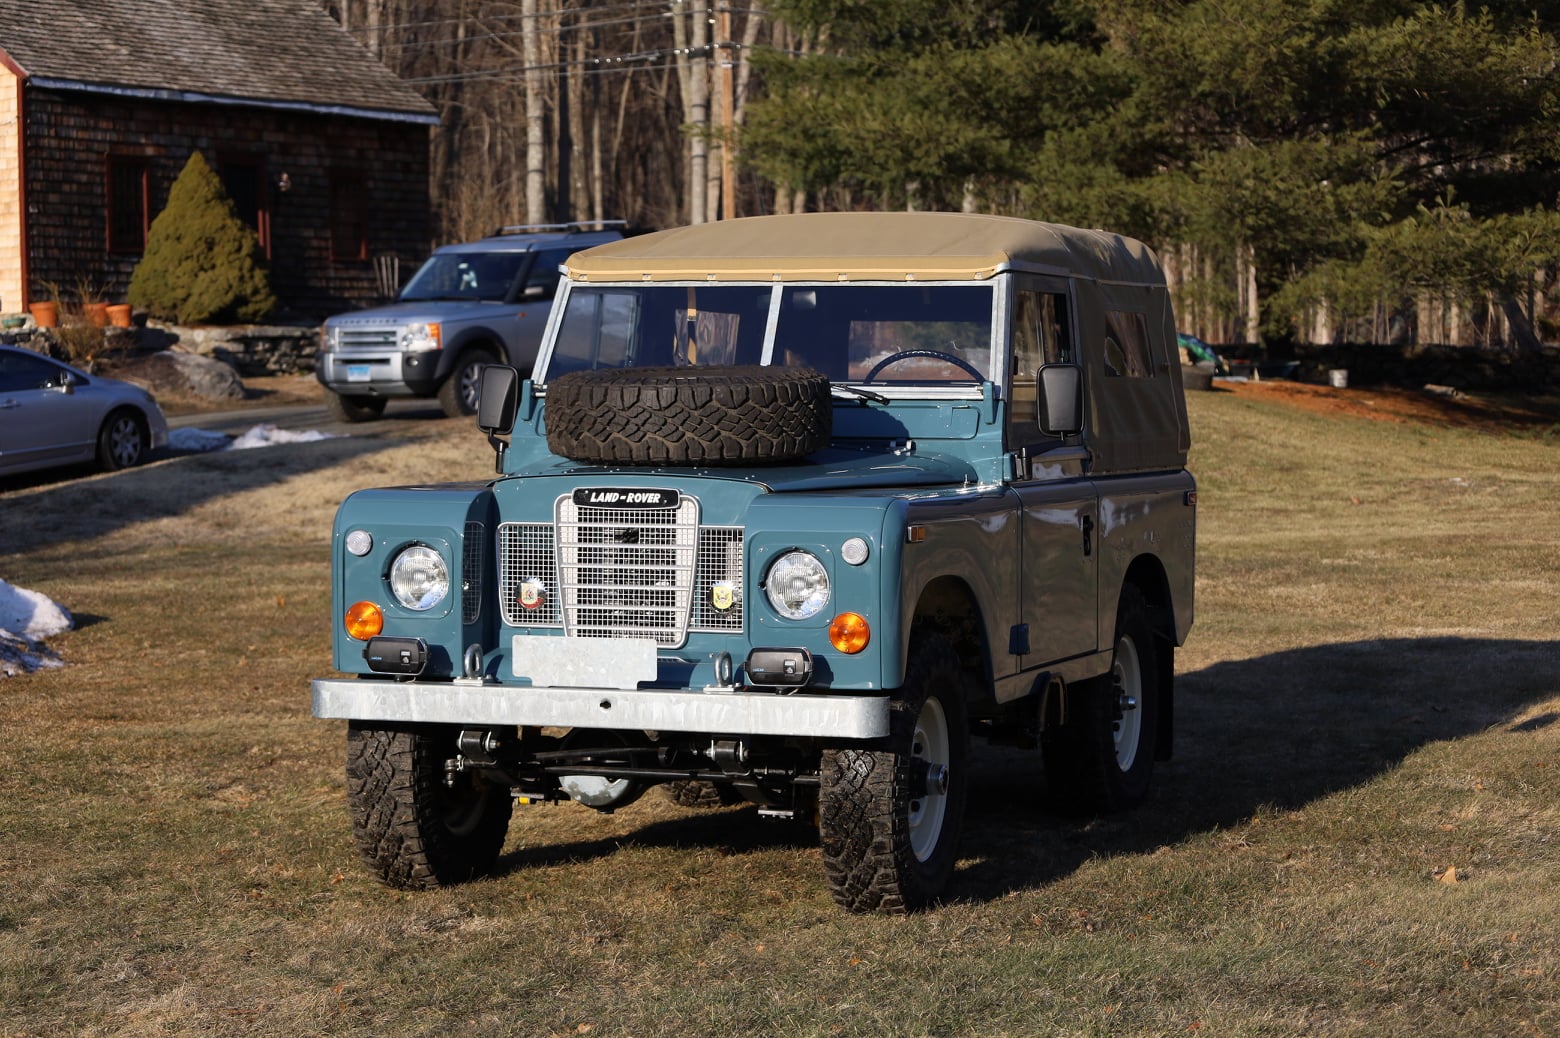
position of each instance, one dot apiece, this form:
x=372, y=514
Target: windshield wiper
x=865, y=394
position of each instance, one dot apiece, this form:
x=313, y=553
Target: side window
x=19, y=372
x=1126, y=345
x=542, y=282
x=1041, y=336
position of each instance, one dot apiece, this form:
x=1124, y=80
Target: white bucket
x=1338, y=378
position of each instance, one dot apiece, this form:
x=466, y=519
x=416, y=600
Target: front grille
x=622, y=573
x=367, y=338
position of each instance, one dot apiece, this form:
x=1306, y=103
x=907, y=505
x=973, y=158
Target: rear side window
x=1126, y=345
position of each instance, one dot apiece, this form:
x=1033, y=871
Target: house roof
x=867, y=247
x=271, y=53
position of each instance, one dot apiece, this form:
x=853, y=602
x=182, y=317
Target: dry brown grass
x=1369, y=698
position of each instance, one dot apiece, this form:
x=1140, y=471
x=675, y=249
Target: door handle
x=1088, y=534
x=9, y=405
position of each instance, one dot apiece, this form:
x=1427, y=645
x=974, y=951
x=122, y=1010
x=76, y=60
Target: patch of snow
x=270, y=435
x=197, y=440
x=202, y=440
x=26, y=617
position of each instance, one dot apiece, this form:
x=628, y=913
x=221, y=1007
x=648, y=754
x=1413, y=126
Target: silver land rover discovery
x=471, y=305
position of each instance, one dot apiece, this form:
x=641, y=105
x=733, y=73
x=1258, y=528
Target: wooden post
x=728, y=109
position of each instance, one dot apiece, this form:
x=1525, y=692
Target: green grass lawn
x=1370, y=699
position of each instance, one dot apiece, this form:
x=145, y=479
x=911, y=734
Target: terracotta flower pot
x=97, y=313
x=119, y=315
x=45, y=314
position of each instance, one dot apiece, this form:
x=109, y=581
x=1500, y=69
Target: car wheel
x=461, y=391
x=354, y=408
x=122, y=442
x=701, y=794
x=412, y=827
x=890, y=818
x=1103, y=758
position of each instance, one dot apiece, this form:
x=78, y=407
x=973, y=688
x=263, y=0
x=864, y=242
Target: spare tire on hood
x=689, y=416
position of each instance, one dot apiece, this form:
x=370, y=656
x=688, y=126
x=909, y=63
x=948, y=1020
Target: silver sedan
x=54, y=414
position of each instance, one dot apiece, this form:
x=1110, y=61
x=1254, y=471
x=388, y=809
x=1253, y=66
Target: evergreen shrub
x=202, y=263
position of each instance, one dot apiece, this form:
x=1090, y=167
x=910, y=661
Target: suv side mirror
x=497, y=405
x=1061, y=399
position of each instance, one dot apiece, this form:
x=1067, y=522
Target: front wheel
x=122, y=442
x=353, y=408
x=1103, y=758
x=460, y=393
x=413, y=828
x=890, y=819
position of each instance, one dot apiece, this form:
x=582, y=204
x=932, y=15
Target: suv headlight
x=797, y=585
x=418, y=337
x=330, y=337
x=419, y=578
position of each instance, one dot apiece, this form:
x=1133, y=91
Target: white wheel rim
x=930, y=746
x=1126, y=679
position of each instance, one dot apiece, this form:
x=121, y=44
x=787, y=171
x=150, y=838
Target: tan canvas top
x=866, y=247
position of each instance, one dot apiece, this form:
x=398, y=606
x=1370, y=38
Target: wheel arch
x=485, y=340
x=1147, y=574
x=949, y=606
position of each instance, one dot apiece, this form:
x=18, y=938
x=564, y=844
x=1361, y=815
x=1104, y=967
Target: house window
x=348, y=217
x=244, y=181
x=128, y=182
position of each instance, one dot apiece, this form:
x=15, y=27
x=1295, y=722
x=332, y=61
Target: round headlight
x=797, y=585
x=419, y=578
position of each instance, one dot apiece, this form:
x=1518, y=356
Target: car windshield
x=486, y=276
x=894, y=334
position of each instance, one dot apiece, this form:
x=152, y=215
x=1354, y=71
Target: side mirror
x=498, y=402
x=497, y=405
x=1061, y=399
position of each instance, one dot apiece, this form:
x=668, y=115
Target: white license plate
x=584, y=662
x=358, y=372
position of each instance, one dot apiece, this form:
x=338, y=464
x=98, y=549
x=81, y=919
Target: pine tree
x=202, y=263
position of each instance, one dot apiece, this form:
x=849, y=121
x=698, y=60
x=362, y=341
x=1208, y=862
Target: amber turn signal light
x=849, y=633
x=364, y=620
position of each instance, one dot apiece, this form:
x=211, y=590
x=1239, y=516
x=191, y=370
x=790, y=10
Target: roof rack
x=572, y=228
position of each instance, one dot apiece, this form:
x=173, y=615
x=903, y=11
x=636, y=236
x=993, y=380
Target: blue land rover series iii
x=789, y=510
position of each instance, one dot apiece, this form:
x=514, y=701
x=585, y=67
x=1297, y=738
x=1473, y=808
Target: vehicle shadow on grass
x=1255, y=735
x=81, y=509
x=1269, y=733
x=735, y=830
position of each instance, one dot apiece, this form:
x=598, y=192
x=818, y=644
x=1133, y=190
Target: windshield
x=465, y=275
x=905, y=334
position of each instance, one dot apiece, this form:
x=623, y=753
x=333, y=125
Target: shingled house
x=323, y=150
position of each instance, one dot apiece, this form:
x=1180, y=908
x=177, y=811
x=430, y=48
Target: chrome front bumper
x=736, y=712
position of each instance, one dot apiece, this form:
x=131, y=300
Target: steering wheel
x=947, y=358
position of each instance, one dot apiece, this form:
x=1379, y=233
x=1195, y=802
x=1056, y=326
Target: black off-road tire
x=1083, y=761
x=689, y=416
x=411, y=829
x=872, y=803
x=459, y=394
x=353, y=408
x=122, y=441
x=700, y=794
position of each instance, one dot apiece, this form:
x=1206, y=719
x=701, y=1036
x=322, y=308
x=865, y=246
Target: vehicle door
x=41, y=419
x=1059, y=501
x=533, y=302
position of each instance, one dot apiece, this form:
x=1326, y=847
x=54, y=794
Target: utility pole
x=728, y=118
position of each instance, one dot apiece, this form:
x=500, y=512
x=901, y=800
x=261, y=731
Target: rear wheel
x=890, y=819
x=701, y=794
x=1103, y=758
x=459, y=394
x=353, y=408
x=122, y=442
x=414, y=829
